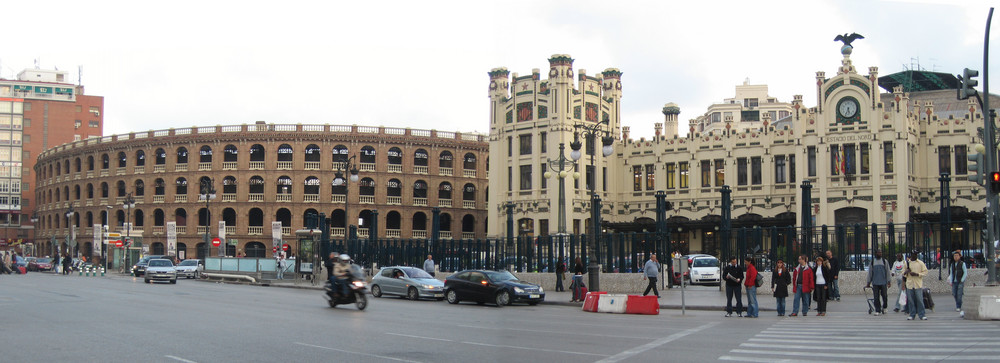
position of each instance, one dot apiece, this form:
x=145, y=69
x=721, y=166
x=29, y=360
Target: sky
x=424, y=64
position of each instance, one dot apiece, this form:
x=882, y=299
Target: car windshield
x=188, y=263
x=498, y=276
x=415, y=273
x=44, y=260
x=705, y=262
x=160, y=263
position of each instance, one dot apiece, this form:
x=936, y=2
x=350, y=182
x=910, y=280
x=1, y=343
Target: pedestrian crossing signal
x=995, y=182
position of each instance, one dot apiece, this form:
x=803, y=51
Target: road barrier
x=602, y=302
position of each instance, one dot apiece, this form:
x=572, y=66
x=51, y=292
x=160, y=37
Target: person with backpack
x=956, y=278
x=914, y=273
x=753, y=280
x=733, y=274
x=878, y=280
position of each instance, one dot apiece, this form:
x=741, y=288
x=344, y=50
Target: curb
x=662, y=306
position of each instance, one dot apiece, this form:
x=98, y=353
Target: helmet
x=345, y=257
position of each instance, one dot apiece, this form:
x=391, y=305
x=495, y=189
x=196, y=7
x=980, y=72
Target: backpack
x=759, y=281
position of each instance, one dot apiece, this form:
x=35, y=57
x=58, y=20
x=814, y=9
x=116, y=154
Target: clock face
x=848, y=108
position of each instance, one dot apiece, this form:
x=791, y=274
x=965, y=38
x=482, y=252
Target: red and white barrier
x=590, y=303
x=603, y=302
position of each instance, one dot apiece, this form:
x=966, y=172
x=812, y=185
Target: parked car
x=140, y=267
x=160, y=269
x=498, y=287
x=39, y=264
x=705, y=270
x=411, y=282
x=191, y=268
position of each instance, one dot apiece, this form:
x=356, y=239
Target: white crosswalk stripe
x=864, y=338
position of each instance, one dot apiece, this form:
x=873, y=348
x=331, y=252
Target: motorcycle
x=358, y=291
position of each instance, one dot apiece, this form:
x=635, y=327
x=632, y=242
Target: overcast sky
x=423, y=64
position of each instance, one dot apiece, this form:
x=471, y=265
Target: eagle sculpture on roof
x=848, y=38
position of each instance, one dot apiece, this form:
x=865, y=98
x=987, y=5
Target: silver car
x=191, y=269
x=411, y=282
x=161, y=269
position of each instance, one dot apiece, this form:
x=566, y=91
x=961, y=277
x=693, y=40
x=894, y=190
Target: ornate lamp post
x=207, y=193
x=590, y=132
x=128, y=205
x=34, y=220
x=340, y=180
x=70, y=237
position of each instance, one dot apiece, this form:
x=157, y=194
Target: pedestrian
x=734, y=276
x=897, y=275
x=834, y=284
x=803, y=283
x=577, y=284
x=824, y=275
x=956, y=278
x=328, y=264
x=753, y=308
x=429, y=265
x=281, y=266
x=650, y=271
x=560, y=275
x=780, y=279
x=878, y=280
x=67, y=262
x=915, y=272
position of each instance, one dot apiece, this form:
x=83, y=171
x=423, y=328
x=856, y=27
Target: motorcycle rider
x=342, y=274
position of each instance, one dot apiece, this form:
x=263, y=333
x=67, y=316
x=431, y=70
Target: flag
x=843, y=162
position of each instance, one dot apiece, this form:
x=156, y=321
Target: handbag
x=759, y=281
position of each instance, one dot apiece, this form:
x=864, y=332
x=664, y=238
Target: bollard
x=79, y=272
x=102, y=271
x=90, y=270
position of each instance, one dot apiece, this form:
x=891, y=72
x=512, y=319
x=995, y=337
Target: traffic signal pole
x=991, y=159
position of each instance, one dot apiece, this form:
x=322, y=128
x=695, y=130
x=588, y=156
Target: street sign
x=274, y=250
x=216, y=242
x=114, y=235
x=118, y=243
x=284, y=247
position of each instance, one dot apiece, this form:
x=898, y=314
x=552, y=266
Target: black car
x=498, y=287
x=140, y=267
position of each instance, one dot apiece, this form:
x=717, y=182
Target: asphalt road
x=117, y=319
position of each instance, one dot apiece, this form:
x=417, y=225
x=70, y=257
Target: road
x=121, y=319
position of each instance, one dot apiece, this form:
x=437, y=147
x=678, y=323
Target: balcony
x=362, y=232
x=157, y=230
x=103, y=201
x=444, y=203
x=366, y=167
x=468, y=235
x=366, y=199
x=395, y=168
x=228, y=197
x=120, y=200
x=201, y=230
x=420, y=170
x=338, y=231
x=255, y=197
x=77, y=176
x=286, y=198
x=256, y=165
x=88, y=203
x=444, y=234
x=392, y=233
x=469, y=173
x=90, y=174
x=230, y=230
x=183, y=198
x=139, y=169
x=158, y=198
x=469, y=204
x=338, y=165
x=419, y=202
x=204, y=166
x=284, y=165
x=104, y=172
x=255, y=230
x=394, y=200
x=340, y=198
x=181, y=167
x=228, y=165
x=120, y=171
x=311, y=165
x=444, y=171
x=182, y=229
x=159, y=168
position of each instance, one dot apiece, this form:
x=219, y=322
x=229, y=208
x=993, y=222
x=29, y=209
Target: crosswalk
x=864, y=338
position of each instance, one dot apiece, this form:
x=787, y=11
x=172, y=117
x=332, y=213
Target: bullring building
x=265, y=178
x=873, y=147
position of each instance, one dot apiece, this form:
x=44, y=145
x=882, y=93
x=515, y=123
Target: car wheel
x=412, y=293
x=503, y=298
x=174, y=281
x=532, y=303
x=147, y=281
x=376, y=291
x=452, y=297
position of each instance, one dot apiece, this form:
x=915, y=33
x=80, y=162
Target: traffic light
x=995, y=182
x=976, y=164
x=967, y=88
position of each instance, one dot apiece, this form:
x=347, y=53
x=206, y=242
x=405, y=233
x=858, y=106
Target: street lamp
x=207, y=194
x=128, y=205
x=34, y=220
x=590, y=132
x=340, y=180
x=70, y=238
x=104, y=231
x=561, y=168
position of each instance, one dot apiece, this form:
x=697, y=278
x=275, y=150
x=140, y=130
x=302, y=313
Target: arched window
x=90, y=219
x=311, y=186
x=79, y=165
x=66, y=166
x=140, y=158
x=285, y=152
x=140, y=218
x=394, y=188
x=159, y=187
x=393, y=220
x=121, y=188
x=140, y=188
x=229, y=185
x=284, y=216
x=256, y=217
x=340, y=153
x=180, y=216
x=312, y=153
x=469, y=192
x=420, y=189
x=284, y=185
x=366, y=186
x=420, y=157
x=445, y=159
x=90, y=163
x=368, y=154
x=122, y=160
x=104, y=190
x=468, y=223
x=76, y=192
x=257, y=153
x=161, y=157
x=158, y=219
x=395, y=156
x=445, y=222
x=90, y=191
x=256, y=185
x=469, y=163
x=444, y=191
x=229, y=154
x=105, y=161
x=205, y=155
x=419, y=221
x=182, y=155
x=229, y=216
x=182, y=186
x=202, y=182
x=338, y=189
x=255, y=250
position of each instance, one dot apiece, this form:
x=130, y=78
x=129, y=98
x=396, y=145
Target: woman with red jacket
x=803, y=282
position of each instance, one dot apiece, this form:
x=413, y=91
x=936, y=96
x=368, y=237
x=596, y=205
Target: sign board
x=114, y=235
x=118, y=243
x=99, y=246
x=216, y=242
x=172, y=238
x=275, y=233
x=284, y=247
x=222, y=229
x=274, y=250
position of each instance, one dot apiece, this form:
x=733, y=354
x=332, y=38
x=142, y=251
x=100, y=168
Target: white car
x=160, y=269
x=705, y=270
x=191, y=269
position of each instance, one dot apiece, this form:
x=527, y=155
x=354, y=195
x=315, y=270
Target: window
x=524, y=141
x=850, y=161
x=27, y=106
x=95, y=124
x=773, y=115
x=77, y=137
x=961, y=160
x=79, y=108
x=542, y=170
x=887, y=155
x=26, y=122
x=510, y=146
x=716, y=117
x=749, y=116
x=741, y=171
x=706, y=174
x=750, y=102
x=779, y=169
x=835, y=162
x=590, y=178
x=755, y=172
x=671, y=174
x=525, y=177
x=95, y=109
x=541, y=141
x=791, y=168
x=637, y=178
x=944, y=159
x=683, y=174
x=811, y=160
x=650, y=177
x=720, y=172
x=26, y=138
